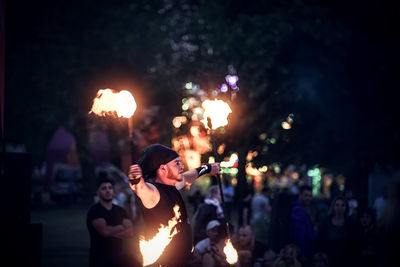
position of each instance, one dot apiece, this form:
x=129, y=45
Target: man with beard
x=156, y=181
x=108, y=226
x=302, y=228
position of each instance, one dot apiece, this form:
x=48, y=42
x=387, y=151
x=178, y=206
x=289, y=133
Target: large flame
x=110, y=102
x=230, y=252
x=152, y=249
x=217, y=111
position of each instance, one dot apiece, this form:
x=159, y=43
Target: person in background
x=353, y=204
x=388, y=226
x=249, y=249
x=214, y=233
x=210, y=210
x=302, y=228
x=320, y=260
x=261, y=211
x=229, y=193
x=196, y=199
x=279, y=234
x=288, y=257
x=108, y=226
x=244, y=202
x=380, y=202
x=214, y=255
x=269, y=258
x=337, y=235
x=260, y=205
x=369, y=237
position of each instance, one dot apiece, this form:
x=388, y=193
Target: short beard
x=107, y=200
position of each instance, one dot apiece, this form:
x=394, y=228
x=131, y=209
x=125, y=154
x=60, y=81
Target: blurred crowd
x=288, y=226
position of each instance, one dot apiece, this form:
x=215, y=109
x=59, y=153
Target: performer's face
x=106, y=192
x=175, y=170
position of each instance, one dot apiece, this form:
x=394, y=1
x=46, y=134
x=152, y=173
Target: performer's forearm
x=190, y=176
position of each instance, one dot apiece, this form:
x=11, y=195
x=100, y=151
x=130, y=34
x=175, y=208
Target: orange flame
x=110, y=102
x=217, y=111
x=230, y=252
x=152, y=249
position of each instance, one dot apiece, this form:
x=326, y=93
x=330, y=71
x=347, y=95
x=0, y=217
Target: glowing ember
x=217, y=111
x=152, y=249
x=178, y=121
x=110, y=102
x=230, y=252
x=231, y=79
x=286, y=125
x=224, y=88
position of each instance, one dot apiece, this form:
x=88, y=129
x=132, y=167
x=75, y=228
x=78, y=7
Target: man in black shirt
x=209, y=210
x=108, y=225
x=162, y=169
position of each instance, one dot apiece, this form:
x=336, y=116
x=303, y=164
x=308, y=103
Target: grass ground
x=65, y=237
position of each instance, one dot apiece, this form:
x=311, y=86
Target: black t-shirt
x=105, y=251
x=179, y=250
x=204, y=214
x=339, y=242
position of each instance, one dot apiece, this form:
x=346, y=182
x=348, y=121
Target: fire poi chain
x=217, y=112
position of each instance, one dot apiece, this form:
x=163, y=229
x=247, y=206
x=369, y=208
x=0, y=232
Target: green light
x=277, y=169
x=315, y=175
x=231, y=171
x=185, y=106
x=271, y=140
x=249, y=179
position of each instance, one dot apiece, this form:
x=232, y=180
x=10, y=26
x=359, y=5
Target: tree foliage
x=295, y=57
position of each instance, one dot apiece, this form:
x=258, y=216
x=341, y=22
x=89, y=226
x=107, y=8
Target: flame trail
x=152, y=249
x=230, y=252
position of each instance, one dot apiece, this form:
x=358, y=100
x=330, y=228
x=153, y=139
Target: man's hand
x=215, y=169
x=135, y=174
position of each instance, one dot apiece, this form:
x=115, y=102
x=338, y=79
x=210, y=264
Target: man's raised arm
x=190, y=176
x=147, y=192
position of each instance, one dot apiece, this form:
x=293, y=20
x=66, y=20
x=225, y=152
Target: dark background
x=333, y=64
